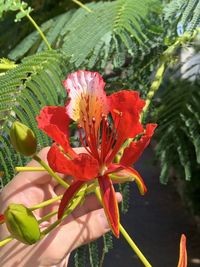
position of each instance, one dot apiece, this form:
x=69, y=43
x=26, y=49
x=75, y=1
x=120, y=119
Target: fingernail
x=103, y=220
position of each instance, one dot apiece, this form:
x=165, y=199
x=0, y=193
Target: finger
x=73, y=234
x=59, y=189
x=33, y=177
x=38, y=177
x=91, y=203
x=53, y=248
x=87, y=228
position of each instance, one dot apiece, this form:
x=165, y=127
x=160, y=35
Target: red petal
x=87, y=97
x=67, y=197
x=183, y=252
x=83, y=167
x=109, y=203
x=129, y=105
x=134, y=151
x=55, y=122
x=128, y=174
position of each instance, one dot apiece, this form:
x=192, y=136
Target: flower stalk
x=5, y=241
x=126, y=236
x=74, y=204
x=134, y=246
x=29, y=169
x=76, y=201
x=7, y=66
x=46, y=203
x=50, y=171
x=82, y=5
x=36, y=27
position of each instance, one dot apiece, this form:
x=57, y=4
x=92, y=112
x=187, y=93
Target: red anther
x=118, y=112
x=93, y=120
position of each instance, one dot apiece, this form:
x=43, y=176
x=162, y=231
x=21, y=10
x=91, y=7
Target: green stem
x=5, y=241
x=81, y=193
x=82, y=5
x=51, y=172
x=29, y=169
x=126, y=236
x=134, y=246
x=38, y=29
x=4, y=66
x=154, y=87
x=47, y=216
x=74, y=204
x=46, y=203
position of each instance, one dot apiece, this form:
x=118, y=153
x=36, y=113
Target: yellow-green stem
x=5, y=241
x=68, y=211
x=46, y=203
x=82, y=5
x=47, y=216
x=126, y=236
x=154, y=87
x=51, y=172
x=4, y=66
x=38, y=29
x=134, y=246
x=29, y=169
x=76, y=201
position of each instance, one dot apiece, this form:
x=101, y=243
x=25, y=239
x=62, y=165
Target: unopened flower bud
x=22, y=224
x=23, y=139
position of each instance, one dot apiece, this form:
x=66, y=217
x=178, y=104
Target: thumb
x=73, y=234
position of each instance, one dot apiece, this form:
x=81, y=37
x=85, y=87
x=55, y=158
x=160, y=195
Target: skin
x=87, y=223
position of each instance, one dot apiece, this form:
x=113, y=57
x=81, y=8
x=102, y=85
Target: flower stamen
x=115, y=137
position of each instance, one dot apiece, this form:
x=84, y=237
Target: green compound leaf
x=110, y=32
x=24, y=90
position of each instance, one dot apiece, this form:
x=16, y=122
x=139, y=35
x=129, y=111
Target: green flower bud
x=23, y=139
x=22, y=224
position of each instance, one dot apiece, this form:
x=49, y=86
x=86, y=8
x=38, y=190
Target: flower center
x=103, y=169
x=104, y=148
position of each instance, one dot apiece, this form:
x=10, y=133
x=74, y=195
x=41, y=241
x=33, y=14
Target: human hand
x=86, y=223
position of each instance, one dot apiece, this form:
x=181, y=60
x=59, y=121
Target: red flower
x=104, y=124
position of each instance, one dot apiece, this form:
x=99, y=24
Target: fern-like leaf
x=101, y=34
x=18, y=6
x=24, y=90
x=179, y=128
x=186, y=13
x=80, y=257
x=124, y=189
x=94, y=254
